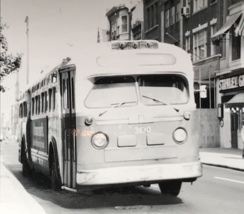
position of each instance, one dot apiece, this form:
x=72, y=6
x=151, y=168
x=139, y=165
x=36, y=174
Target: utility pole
x=27, y=37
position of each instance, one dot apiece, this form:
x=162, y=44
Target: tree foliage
x=8, y=62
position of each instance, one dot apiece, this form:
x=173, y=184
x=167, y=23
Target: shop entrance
x=234, y=130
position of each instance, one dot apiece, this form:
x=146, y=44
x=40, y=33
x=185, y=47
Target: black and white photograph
x=121, y=106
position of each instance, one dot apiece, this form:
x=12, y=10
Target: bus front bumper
x=132, y=174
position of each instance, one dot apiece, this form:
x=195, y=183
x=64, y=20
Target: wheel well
x=51, y=156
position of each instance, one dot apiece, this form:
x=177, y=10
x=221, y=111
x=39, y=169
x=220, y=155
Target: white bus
x=126, y=117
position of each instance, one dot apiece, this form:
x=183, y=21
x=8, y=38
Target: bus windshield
x=162, y=89
x=111, y=91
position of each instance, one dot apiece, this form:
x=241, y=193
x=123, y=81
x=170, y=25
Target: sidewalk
x=13, y=196
x=227, y=158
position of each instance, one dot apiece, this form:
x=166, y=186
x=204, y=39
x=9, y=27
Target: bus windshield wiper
x=160, y=101
x=116, y=105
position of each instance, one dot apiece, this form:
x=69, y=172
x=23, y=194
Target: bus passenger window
x=54, y=98
x=43, y=103
x=39, y=104
x=33, y=101
x=46, y=101
x=50, y=99
x=68, y=94
x=25, y=109
x=36, y=105
x=64, y=95
x=20, y=111
x=54, y=77
x=73, y=93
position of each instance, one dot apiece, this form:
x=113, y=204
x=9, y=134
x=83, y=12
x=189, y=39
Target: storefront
x=231, y=110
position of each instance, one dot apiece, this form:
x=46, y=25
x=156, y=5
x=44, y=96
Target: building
x=119, y=18
x=152, y=19
x=190, y=24
x=230, y=78
x=137, y=22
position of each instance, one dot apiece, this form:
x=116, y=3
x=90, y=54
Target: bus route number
x=143, y=130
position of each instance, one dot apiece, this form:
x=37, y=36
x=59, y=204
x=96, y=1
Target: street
x=218, y=191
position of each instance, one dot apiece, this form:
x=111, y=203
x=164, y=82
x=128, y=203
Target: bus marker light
x=187, y=115
x=88, y=121
x=180, y=135
x=99, y=140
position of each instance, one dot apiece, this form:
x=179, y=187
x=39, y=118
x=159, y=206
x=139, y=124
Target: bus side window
x=46, y=103
x=54, y=98
x=38, y=104
x=25, y=109
x=64, y=95
x=68, y=94
x=42, y=104
x=73, y=92
x=50, y=99
x=35, y=104
x=20, y=111
x=33, y=101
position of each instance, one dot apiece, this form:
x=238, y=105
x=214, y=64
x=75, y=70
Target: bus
x=124, y=114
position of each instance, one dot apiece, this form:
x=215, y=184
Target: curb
x=30, y=203
x=223, y=166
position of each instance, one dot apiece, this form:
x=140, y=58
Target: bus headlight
x=180, y=135
x=99, y=140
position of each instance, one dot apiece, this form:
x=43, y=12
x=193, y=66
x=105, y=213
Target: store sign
x=231, y=83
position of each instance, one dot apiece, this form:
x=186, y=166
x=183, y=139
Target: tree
x=8, y=62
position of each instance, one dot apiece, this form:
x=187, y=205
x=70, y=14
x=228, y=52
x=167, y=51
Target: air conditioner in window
x=185, y=11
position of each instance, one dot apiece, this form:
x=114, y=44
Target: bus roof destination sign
x=134, y=45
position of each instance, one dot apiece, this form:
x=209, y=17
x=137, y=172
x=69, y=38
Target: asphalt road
x=218, y=191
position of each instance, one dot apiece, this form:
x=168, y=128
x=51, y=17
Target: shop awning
x=239, y=29
x=236, y=101
x=226, y=27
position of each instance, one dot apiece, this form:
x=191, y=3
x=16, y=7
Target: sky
x=55, y=27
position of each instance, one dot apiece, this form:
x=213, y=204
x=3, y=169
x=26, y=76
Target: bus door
x=68, y=126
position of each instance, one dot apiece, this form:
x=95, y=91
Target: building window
x=236, y=45
x=172, y=17
x=188, y=44
x=148, y=18
x=167, y=18
x=156, y=13
x=200, y=45
x=177, y=12
x=213, y=47
x=199, y=4
x=124, y=24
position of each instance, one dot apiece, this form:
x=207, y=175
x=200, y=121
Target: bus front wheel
x=26, y=170
x=170, y=187
x=55, y=185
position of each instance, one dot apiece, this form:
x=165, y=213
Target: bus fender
x=53, y=145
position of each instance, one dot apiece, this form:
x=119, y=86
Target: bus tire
x=170, y=187
x=26, y=170
x=55, y=184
